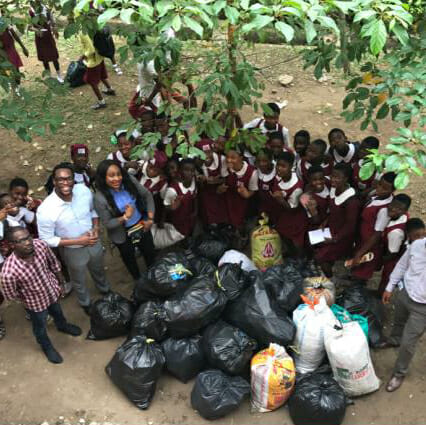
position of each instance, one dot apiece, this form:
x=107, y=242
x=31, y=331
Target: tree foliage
x=385, y=40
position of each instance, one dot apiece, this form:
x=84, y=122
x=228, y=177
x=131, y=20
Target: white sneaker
x=60, y=79
x=117, y=69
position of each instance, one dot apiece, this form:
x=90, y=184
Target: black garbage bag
x=163, y=278
x=110, y=316
x=359, y=300
x=135, y=369
x=255, y=314
x=200, y=304
x=149, y=320
x=233, y=279
x=306, y=268
x=213, y=243
x=202, y=266
x=75, y=73
x=216, y=395
x=184, y=357
x=228, y=348
x=284, y=284
x=317, y=400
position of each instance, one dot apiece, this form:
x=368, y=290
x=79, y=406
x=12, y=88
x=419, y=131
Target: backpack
x=75, y=73
x=104, y=44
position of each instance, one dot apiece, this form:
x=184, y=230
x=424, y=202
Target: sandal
x=2, y=329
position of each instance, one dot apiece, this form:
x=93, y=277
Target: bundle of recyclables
x=233, y=332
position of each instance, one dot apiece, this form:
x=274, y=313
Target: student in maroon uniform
x=317, y=200
x=301, y=141
x=181, y=199
x=214, y=171
x=267, y=178
x=393, y=237
x=122, y=155
x=292, y=220
x=374, y=219
x=7, y=41
x=154, y=180
x=342, y=220
x=43, y=23
x=341, y=150
x=365, y=186
x=315, y=155
x=240, y=185
x=83, y=172
x=270, y=123
x=276, y=144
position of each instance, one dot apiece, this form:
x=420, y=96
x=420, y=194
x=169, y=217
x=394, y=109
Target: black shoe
x=105, y=292
x=109, y=92
x=52, y=355
x=86, y=309
x=70, y=329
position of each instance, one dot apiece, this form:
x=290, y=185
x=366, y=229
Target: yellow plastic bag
x=266, y=248
x=273, y=375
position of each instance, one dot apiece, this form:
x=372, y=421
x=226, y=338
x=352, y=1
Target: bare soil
x=79, y=391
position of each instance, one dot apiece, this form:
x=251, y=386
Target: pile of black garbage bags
x=194, y=319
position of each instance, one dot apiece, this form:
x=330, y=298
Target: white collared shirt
x=58, y=219
x=343, y=197
x=411, y=268
x=215, y=164
x=171, y=193
x=396, y=236
x=382, y=219
x=122, y=161
x=154, y=180
x=254, y=180
x=260, y=124
x=24, y=217
x=293, y=199
x=347, y=158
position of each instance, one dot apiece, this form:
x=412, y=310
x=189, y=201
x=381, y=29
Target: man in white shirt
x=410, y=308
x=67, y=219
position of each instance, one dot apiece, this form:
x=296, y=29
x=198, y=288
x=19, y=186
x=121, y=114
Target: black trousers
x=127, y=252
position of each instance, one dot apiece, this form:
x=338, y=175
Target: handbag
x=135, y=232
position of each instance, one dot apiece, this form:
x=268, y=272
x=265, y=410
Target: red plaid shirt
x=32, y=282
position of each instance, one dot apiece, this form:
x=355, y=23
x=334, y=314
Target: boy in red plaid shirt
x=32, y=275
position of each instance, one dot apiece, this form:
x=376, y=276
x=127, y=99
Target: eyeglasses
x=19, y=241
x=64, y=179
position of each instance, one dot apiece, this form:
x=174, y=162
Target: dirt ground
x=79, y=391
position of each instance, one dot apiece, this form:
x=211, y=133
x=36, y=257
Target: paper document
x=319, y=236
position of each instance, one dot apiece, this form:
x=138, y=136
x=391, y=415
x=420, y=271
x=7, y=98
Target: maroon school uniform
x=393, y=241
x=349, y=158
x=373, y=218
x=212, y=203
x=45, y=42
x=157, y=186
x=236, y=205
x=95, y=75
x=266, y=202
x=291, y=224
x=342, y=221
x=323, y=200
x=183, y=218
x=8, y=45
x=362, y=184
x=304, y=165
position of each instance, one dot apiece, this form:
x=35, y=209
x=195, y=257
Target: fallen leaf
x=39, y=189
x=98, y=149
x=25, y=163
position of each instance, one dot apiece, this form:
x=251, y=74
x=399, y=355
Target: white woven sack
x=349, y=355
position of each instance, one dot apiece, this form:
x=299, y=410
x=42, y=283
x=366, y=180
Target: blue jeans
x=38, y=320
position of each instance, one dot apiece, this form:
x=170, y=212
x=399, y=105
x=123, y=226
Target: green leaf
x=126, y=15
x=421, y=157
x=193, y=25
x=345, y=6
x=393, y=162
x=176, y=23
x=383, y=112
x=245, y=4
x=364, y=124
x=378, y=37
x=401, y=34
x=286, y=30
x=310, y=31
x=363, y=93
x=367, y=170
x=107, y=16
x=328, y=22
x=402, y=180
x=218, y=6
x=364, y=14
x=232, y=14
x=400, y=149
x=261, y=21
x=405, y=132
x=163, y=6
